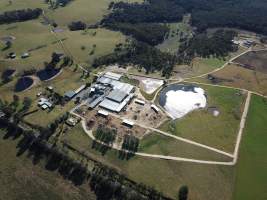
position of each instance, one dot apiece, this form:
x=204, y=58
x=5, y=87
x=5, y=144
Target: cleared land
x=161, y=145
x=20, y=179
x=36, y=38
x=204, y=181
x=89, y=12
x=18, y=4
x=198, y=66
x=181, y=31
x=254, y=60
x=87, y=45
x=251, y=169
x=240, y=77
x=203, y=127
x=32, y=37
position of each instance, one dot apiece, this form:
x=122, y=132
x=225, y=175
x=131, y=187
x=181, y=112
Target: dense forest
x=150, y=33
x=218, y=44
x=145, y=22
x=142, y=55
x=245, y=14
x=19, y=15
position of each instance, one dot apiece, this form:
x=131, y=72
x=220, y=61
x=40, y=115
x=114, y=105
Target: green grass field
x=89, y=12
x=20, y=179
x=32, y=34
x=240, y=77
x=201, y=126
x=162, y=145
x=177, y=31
x=251, y=170
x=204, y=181
x=198, y=67
x=18, y=4
x=28, y=35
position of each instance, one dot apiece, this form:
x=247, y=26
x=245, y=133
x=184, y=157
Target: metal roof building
x=117, y=95
x=125, y=87
x=141, y=102
x=95, y=102
x=80, y=89
x=155, y=108
x=104, y=80
x=103, y=113
x=69, y=95
x=115, y=106
x=112, y=75
x=128, y=123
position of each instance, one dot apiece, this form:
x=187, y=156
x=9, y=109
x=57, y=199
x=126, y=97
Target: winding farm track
x=182, y=159
x=173, y=158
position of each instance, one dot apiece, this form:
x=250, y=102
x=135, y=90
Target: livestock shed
x=155, y=108
x=112, y=75
x=69, y=95
x=103, y=113
x=128, y=123
x=117, y=95
x=140, y=102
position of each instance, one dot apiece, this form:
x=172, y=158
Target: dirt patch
x=93, y=120
x=143, y=114
x=148, y=85
x=254, y=60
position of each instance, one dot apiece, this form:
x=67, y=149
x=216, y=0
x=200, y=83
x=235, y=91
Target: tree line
x=19, y=15
x=218, y=44
x=142, y=55
x=106, y=182
x=244, y=14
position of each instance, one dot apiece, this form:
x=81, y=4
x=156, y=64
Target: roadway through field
x=174, y=158
x=242, y=122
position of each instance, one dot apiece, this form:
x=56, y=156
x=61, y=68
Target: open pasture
x=254, y=60
x=204, y=127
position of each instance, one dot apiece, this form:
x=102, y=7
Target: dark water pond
x=7, y=73
x=174, y=87
x=46, y=74
x=23, y=83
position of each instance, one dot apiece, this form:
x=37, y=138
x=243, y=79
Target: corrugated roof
x=140, y=101
x=154, y=107
x=80, y=89
x=128, y=122
x=115, y=106
x=112, y=75
x=69, y=94
x=125, y=87
x=103, y=112
x=117, y=95
x=104, y=80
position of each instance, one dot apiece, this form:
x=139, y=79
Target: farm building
x=112, y=75
x=2, y=114
x=128, y=123
x=155, y=108
x=114, y=106
x=44, y=103
x=72, y=121
x=103, y=113
x=69, y=95
x=140, y=102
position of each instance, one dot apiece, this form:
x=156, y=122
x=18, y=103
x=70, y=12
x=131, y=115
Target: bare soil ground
x=144, y=114
x=254, y=61
x=148, y=85
x=94, y=120
x=237, y=76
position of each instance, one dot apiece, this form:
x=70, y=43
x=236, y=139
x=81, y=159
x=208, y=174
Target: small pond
x=23, y=83
x=7, y=73
x=180, y=99
x=46, y=74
